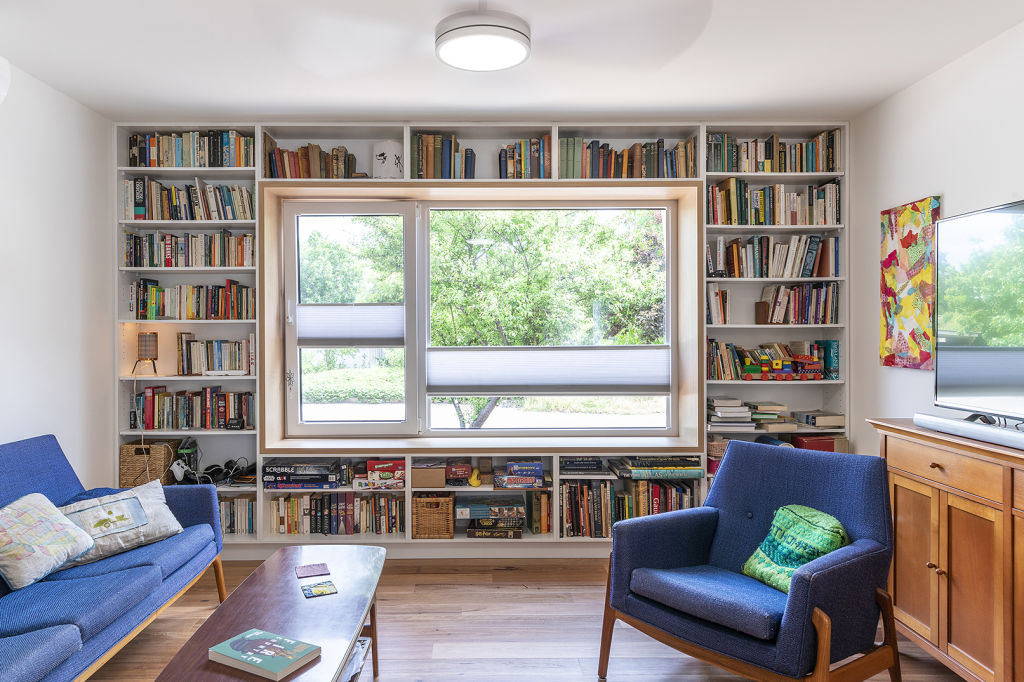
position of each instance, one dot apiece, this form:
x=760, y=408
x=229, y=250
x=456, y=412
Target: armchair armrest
x=669, y=540
x=195, y=504
x=842, y=584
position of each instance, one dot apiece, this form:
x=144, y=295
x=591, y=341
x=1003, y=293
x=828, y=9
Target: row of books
x=308, y=161
x=510, y=522
x=208, y=408
x=819, y=154
x=804, y=255
x=196, y=149
x=824, y=442
x=341, y=513
x=205, y=250
x=733, y=202
x=591, y=508
x=238, y=514
x=145, y=199
x=439, y=156
x=596, y=159
x=730, y=362
x=525, y=159
x=816, y=303
x=147, y=300
x=198, y=357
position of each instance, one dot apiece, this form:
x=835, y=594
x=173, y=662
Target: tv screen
x=979, y=359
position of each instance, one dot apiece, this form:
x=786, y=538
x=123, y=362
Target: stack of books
x=580, y=464
x=820, y=419
x=645, y=467
x=728, y=414
x=767, y=415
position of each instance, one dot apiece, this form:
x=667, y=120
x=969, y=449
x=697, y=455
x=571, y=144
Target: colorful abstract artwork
x=908, y=285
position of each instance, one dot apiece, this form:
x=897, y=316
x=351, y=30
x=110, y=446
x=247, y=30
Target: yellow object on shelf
x=474, y=479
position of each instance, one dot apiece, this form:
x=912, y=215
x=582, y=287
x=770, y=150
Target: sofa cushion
x=714, y=594
x=36, y=465
x=92, y=494
x=36, y=539
x=169, y=555
x=30, y=656
x=798, y=535
x=124, y=520
x=90, y=603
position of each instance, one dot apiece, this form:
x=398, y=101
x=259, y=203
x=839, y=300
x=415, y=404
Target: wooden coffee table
x=271, y=599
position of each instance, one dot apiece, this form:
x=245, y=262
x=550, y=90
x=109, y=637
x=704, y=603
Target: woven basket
x=433, y=516
x=716, y=448
x=140, y=463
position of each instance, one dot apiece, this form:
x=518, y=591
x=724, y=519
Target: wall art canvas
x=906, y=335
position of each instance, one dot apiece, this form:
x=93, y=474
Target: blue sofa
x=72, y=621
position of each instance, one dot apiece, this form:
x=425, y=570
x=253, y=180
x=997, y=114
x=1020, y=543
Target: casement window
x=459, y=318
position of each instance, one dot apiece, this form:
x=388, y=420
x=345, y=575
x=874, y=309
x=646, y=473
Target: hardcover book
x=264, y=653
x=319, y=589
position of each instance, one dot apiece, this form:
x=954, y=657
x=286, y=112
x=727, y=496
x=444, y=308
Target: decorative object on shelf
x=149, y=350
x=907, y=337
x=387, y=160
x=482, y=40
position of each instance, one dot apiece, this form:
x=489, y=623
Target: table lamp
x=148, y=350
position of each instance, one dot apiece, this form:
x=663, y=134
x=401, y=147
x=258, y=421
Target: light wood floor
x=480, y=620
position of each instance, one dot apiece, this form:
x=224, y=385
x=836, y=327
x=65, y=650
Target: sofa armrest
x=195, y=504
x=842, y=584
x=669, y=540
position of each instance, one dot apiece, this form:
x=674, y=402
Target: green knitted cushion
x=798, y=535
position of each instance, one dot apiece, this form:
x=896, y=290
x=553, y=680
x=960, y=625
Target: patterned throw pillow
x=35, y=540
x=798, y=535
x=123, y=521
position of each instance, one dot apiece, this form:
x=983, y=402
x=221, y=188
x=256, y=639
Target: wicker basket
x=716, y=448
x=433, y=516
x=140, y=463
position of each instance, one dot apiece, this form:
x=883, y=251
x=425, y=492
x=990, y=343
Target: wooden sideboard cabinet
x=957, y=578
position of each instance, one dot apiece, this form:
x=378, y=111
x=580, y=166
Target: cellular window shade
x=597, y=370
x=365, y=325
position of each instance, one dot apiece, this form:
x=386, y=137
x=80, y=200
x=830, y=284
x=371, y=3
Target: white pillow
x=36, y=539
x=123, y=521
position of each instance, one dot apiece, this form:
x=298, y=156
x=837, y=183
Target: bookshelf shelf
x=188, y=170
x=206, y=378
x=770, y=229
x=239, y=538
x=186, y=322
x=769, y=280
x=775, y=326
x=169, y=433
x=778, y=384
x=192, y=270
x=800, y=430
x=183, y=224
x=771, y=178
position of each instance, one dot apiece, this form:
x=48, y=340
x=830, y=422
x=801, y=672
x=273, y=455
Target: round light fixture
x=482, y=40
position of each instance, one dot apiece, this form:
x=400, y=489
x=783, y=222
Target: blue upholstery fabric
x=193, y=505
x=36, y=465
x=30, y=656
x=91, y=495
x=714, y=594
x=90, y=603
x=752, y=482
x=670, y=540
x=98, y=645
x=168, y=555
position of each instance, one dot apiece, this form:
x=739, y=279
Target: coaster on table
x=310, y=570
x=319, y=589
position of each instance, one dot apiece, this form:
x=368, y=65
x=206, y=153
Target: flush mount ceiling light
x=482, y=40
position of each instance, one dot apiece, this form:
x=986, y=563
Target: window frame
x=294, y=426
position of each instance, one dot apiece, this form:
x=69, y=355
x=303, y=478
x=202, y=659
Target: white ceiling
x=342, y=60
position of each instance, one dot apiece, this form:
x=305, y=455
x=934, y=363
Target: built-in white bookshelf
x=486, y=139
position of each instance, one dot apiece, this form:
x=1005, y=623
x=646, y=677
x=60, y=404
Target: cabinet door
x=1018, y=593
x=971, y=585
x=913, y=583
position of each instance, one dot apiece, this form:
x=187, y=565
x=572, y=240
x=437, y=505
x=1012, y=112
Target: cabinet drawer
x=984, y=479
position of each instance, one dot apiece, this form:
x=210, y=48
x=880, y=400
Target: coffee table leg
x=373, y=635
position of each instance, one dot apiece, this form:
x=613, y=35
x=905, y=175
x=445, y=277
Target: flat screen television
x=979, y=359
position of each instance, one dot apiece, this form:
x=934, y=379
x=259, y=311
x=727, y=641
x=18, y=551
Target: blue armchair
x=676, y=576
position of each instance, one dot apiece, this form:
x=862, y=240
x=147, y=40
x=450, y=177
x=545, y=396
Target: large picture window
x=452, y=319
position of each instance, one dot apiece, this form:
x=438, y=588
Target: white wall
x=56, y=319
x=958, y=133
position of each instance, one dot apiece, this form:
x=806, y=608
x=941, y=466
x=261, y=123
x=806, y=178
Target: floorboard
x=523, y=620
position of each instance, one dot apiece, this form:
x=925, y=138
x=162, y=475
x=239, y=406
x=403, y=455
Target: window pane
x=352, y=384
x=547, y=277
x=550, y=412
x=350, y=259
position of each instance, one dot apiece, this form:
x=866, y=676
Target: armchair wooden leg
x=884, y=600
x=823, y=626
x=606, y=629
x=218, y=572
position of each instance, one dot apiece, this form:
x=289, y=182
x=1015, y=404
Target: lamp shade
x=148, y=346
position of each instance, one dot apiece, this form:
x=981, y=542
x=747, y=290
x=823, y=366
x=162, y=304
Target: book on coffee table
x=264, y=653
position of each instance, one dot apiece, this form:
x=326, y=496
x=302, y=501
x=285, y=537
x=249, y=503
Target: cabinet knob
x=939, y=571
x=935, y=465
x=930, y=565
